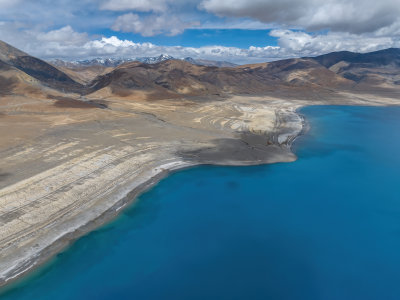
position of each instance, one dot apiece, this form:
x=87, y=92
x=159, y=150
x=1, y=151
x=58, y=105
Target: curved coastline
x=29, y=258
x=202, y=229
x=29, y=261
x=288, y=127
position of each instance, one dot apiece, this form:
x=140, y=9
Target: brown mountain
x=301, y=77
x=84, y=74
x=175, y=78
x=379, y=58
x=45, y=73
x=304, y=78
x=379, y=68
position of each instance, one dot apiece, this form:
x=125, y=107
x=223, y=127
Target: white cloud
x=151, y=25
x=65, y=43
x=65, y=35
x=169, y=17
x=113, y=41
x=291, y=44
x=392, y=30
x=136, y=5
x=7, y=3
x=165, y=18
x=354, y=16
x=380, y=17
x=298, y=43
x=229, y=23
x=148, y=5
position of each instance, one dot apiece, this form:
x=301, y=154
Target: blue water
x=324, y=227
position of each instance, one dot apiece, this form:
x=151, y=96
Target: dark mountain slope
x=379, y=58
x=373, y=72
x=177, y=78
x=38, y=69
x=379, y=68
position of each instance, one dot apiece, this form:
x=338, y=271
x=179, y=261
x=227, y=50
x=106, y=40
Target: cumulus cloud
x=347, y=16
x=165, y=16
x=8, y=3
x=148, y=5
x=353, y=16
x=151, y=25
x=371, y=18
x=298, y=43
x=354, y=25
x=124, y=48
x=291, y=44
x=392, y=30
x=66, y=43
x=136, y=5
x=65, y=35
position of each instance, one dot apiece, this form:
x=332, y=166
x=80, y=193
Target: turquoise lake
x=324, y=227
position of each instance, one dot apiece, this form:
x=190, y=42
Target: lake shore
x=87, y=167
x=230, y=232
x=76, y=186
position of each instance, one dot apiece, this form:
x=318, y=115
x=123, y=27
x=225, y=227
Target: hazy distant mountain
x=154, y=60
x=106, y=62
x=114, y=62
x=211, y=63
x=109, y=62
x=379, y=58
x=379, y=67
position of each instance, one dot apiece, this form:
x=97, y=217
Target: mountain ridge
x=298, y=75
x=47, y=74
x=164, y=77
x=115, y=62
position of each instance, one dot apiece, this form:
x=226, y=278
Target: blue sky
x=241, y=38
x=241, y=31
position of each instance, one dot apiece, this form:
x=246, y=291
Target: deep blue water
x=324, y=227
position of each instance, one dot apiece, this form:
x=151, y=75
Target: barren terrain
x=73, y=151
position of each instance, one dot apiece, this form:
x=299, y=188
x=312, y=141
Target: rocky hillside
x=43, y=72
x=302, y=78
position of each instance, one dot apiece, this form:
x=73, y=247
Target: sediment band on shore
x=68, y=170
x=78, y=175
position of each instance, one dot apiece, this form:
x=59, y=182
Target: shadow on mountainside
x=7, y=85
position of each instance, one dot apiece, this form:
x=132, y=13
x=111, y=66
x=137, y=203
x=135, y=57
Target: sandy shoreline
x=68, y=238
x=64, y=240
x=78, y=176
x=86, y=191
